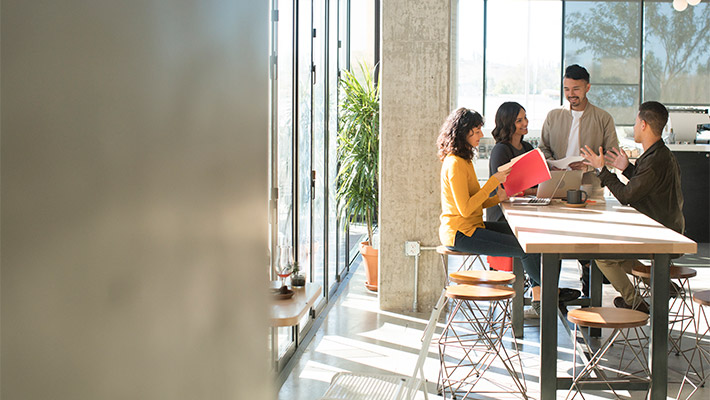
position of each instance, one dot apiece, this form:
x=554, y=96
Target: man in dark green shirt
x=653, y=189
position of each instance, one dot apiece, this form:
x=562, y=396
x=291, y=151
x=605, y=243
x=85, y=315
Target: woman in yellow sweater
x=463, y=199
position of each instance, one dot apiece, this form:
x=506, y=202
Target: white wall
x=134, y=170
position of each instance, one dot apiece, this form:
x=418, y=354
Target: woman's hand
x=502, y=195
x=502, y=175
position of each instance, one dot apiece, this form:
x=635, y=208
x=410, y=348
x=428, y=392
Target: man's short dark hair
x=577, y=72
x=655, y=114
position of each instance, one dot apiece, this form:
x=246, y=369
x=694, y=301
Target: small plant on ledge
x=297, y=278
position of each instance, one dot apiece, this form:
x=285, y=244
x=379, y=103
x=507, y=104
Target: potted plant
x=298, y=279
x=358, y=157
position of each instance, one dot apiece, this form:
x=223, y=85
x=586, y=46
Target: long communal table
x=601, y=230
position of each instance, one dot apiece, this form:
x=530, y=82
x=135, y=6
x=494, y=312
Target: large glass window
x=634, y=50
x=676, y=55
x=284, y=140
x=362, y=33
x=469, y=55
x=605, y=38
x=523, y=56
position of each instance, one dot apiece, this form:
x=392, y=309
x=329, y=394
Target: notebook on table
x=527, y=170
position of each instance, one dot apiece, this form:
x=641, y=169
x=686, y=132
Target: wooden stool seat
x=676, y=272
x=479, y=293
x=702, y=297
x=482, y=277
x=622, y=321
x=607, y=317
x=448, y=252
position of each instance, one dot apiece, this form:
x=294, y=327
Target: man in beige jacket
x=580, y=124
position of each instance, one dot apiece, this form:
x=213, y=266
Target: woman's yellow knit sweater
x=462, y=199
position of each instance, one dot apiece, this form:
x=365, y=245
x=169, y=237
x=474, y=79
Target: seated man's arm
x=641, y=183
x=629, y=171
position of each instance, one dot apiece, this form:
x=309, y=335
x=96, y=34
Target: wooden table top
x=605, y=226
x=289, y=312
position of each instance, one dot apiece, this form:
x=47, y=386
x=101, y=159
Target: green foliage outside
x=676, y=44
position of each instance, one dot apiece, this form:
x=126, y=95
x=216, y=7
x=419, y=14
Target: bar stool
x=680, y=312
x=701, y=352
x=486, y=278
x=472, y=341
x=478, y=277
x=620, y=320
x=469, y=260
x=469, y=276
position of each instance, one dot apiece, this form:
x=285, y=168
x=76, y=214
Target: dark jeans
x=498, y=240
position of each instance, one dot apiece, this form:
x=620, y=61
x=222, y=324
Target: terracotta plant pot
x=369, y=257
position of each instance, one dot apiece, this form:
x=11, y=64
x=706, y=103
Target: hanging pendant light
x=693, y=2
x=680, y=5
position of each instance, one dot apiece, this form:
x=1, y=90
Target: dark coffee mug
x=576, y=196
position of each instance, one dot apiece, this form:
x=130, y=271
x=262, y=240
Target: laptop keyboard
x=531, y=201
x=537, y=200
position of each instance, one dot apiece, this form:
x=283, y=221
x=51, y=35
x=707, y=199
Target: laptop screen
x=563, y=181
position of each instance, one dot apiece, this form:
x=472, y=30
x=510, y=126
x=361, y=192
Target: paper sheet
x=564, y=162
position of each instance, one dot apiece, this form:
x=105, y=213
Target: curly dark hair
x=452, y=136
x=505, y=121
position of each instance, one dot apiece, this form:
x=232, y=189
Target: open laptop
x=556, y=187
x=561, y=181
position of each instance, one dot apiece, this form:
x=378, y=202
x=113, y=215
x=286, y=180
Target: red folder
x=528, y=170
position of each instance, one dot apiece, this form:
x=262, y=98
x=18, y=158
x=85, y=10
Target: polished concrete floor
x=356, y=336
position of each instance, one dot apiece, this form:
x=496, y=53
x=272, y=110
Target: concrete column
x=415, y=100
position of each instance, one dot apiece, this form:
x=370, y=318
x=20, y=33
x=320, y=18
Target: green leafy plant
x=358, y=148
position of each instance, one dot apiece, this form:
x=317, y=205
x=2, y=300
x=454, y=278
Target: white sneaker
x=531, y=313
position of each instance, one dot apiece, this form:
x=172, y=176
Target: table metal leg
x=518, y=300
x=658, y=349
x=595, y=292
x=548, y=327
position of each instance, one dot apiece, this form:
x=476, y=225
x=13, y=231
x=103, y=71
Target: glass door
x=308, y=52
x=318, y=149
x=332, y=142
x=282, y=142
x=343, y=61
x=302, y=151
